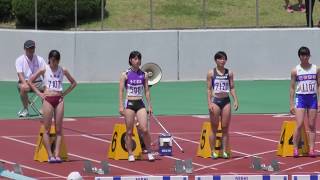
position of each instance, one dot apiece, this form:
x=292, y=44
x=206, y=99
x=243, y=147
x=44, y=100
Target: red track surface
x=89, y=138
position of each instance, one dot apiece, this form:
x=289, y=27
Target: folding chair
x=33, y=104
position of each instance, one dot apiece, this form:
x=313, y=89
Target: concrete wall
x=182, y=55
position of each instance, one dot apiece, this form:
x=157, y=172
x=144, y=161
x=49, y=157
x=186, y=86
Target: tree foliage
x=54, y=13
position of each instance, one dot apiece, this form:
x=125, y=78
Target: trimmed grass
x=181, y=14
x=185, y=14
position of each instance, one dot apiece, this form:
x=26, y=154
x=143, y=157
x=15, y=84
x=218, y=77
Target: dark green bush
x=54, y=13
x=5, y=10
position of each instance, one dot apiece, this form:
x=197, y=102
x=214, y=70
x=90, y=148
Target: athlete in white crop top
x=304, y=91
x=53, y=105
x=219, y=84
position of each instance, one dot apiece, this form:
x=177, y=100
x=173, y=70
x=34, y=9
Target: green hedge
x=5, y=10
x=54, y=13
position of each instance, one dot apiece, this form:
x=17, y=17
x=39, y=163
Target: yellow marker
x=204, y=148
x=285, y=145
x=41, y=154
x=117, y=148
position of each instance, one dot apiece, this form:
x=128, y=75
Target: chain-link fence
x=185, y=14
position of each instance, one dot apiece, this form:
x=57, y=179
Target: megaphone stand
x=155, y=73
x=165, y=130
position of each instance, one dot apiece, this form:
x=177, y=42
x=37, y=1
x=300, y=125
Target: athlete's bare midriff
x=134, y=98
x=220, y=95
x=52, y=93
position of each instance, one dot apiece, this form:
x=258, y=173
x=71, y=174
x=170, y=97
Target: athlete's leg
x=312, y=116
x=300, y=113
x=58, y=118
x=142, y=117
x=225, y=122
x=129, y=117
x=214, y=119
x=47, y=119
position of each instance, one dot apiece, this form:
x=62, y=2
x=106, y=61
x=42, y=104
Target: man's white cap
x=74, y=176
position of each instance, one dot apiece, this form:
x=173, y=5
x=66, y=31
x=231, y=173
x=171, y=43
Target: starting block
x=41, y=153
x=105, y=167
x=204, y=148
x=275, y=165
x=15, y=174
x=17, y=169
x=2, y=165
x=165, y=145
x=256, y=164
x=117, y=149
x=188, y=166
x=88, y=168
x=183, y=166
x=179, y=167
x=285, y=145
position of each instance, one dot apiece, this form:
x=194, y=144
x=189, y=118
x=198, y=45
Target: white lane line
x=257, y=137
x=236, y=159
x=106, y=134
x=298, y=166
x=34, y=169
x=195, y=142
x=95, y=138
x=78, y=156
x=169, y=157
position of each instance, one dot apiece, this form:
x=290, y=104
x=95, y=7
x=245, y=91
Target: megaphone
x=153, y=71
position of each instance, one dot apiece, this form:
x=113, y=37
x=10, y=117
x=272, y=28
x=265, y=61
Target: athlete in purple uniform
x=219, y=84
x=135, y=82
x=53, y=105
x=305, y=87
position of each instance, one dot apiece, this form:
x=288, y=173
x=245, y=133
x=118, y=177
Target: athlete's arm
x=292, y=90
x=209, y=90
x=233, y=92
x=318, y=87
x=147, y=93
x=33, y=77
x=71, y=80
x=121, y=88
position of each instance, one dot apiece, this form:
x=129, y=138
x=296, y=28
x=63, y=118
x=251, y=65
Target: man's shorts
x=39, y=85
x=307, y=101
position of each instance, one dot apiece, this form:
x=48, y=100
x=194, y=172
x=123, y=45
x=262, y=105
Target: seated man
x=26, y=65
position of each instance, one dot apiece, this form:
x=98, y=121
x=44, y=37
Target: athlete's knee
x=214, y=126
x=224, y=129
x=58, y=132
x=129, y=134
x=312, y=129
x=47, y=131
x=299, y=125
x=143, y=130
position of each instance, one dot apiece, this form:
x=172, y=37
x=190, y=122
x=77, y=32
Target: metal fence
x=190, y=14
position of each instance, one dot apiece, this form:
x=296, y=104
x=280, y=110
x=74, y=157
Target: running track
x=89, y=139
